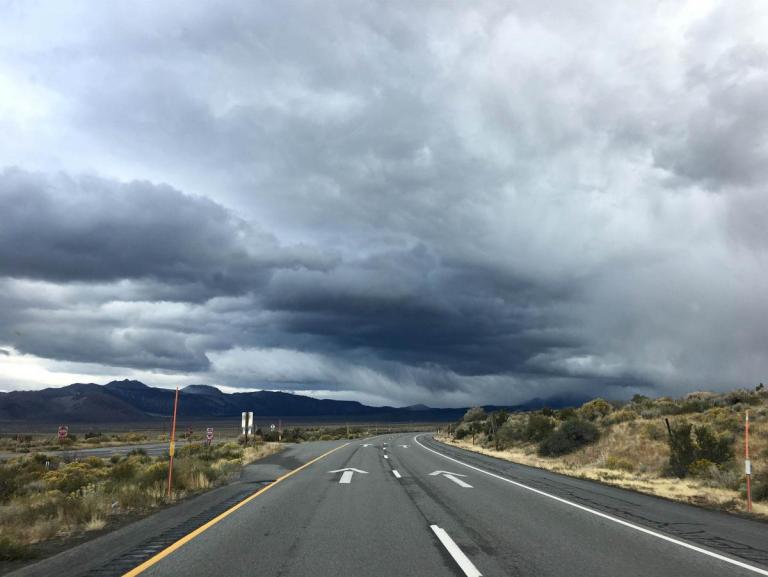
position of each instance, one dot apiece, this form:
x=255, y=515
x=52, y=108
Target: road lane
x=407, y=515
x=313, y=525
x=531, y=535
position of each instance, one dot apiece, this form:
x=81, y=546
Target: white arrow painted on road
x=346, y=474
x=405, y=446
x=366, y=445
x=453, y=477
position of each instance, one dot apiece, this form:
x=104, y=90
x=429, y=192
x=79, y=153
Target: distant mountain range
x=133, y=401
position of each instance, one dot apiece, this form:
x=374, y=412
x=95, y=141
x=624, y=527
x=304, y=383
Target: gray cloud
x=399, y=203
x=91, y=229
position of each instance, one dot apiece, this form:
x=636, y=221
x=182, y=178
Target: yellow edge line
x=187, y=538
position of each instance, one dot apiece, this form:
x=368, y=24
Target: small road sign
x=63, y=432
x=209, y=435
x=272, y=427
x=247, y=422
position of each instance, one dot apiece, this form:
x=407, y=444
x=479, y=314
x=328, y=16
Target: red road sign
x=209, y=434
x=63, y=431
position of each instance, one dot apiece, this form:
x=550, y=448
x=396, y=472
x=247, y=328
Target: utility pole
x=173, y=442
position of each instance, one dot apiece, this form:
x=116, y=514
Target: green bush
x=759, y=487
x=622, y=416
x=703, y=445
x=12, y=551
x=538, y=428
x=157, y=472
x=711, y=447
x=682, y=452
x=474, y=414
x=619, y=464
x=509, y=433
x=123, y=471
x=595, y=409
x=701, y=468
x=569, y=436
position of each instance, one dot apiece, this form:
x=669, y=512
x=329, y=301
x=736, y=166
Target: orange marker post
x=173, y=442
x=747, y=462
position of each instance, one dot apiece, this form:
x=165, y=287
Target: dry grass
x=633, y=455
x=252, y=454
x=41, y=501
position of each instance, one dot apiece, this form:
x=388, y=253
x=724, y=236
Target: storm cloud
x=394, y=203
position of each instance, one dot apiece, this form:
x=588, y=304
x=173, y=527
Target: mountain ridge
x=129, y=400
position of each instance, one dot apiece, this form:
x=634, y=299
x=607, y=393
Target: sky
x=395, y=202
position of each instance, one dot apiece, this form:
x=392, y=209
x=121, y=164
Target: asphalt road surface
x=403, y=504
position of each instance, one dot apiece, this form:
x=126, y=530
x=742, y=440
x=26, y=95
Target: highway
x=404, y=504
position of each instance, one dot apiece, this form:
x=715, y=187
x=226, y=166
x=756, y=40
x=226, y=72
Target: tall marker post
x=173, y=442
x=747, y=462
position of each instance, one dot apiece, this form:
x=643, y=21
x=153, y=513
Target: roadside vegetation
x=44, y=497
x=305, y=434
x=689, y=449
x=31, y=443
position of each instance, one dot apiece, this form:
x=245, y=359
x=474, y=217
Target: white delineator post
x=747, y=462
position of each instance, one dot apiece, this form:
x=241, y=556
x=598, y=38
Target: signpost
x=63, y=432
x=209, y=435
x=247, y=422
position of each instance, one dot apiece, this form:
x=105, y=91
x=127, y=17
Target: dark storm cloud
x=410, y=307
x=400, y=202
x=91, y=229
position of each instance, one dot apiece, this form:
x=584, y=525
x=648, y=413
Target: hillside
x=689, y=449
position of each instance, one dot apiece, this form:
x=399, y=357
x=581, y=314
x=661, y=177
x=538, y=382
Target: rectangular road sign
x=247, y=423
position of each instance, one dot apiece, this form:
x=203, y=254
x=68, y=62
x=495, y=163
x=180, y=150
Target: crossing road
x=433, y=510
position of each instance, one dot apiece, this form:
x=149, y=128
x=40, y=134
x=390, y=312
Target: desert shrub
x=700, y=468
x=11, y=550
x=664, y=406
x=460, y=432
x=566, y=413
x=619, y=464
x=568, y=437
x=474, y=414
x=759, y=487
x=653, y=431
x=9, y=482
x=157, y=472
x=595, y=409
x=682, y=450
x=704, y=445
x=711, y=447
x=137, y=452
x=72, y=478
x=538, y=428
x=509, y=433
x=123, y=471
x=741, y=396
x=622, y=416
